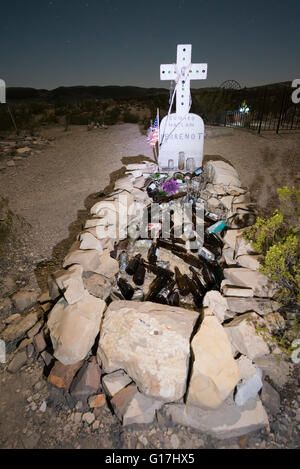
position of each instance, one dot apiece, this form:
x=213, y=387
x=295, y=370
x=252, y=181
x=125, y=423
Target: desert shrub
x=130, y=118
x=277, y=238
x=78, y=119
x=112, y=116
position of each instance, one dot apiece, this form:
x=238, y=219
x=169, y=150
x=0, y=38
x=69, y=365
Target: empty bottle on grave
x=170, y=246
x=152, y=253
x=181, y=282
x=126, y=289
x=198, y=297
x=164, y=294
x=189, y=259
x=199, y=281
x=167, y=198
x=156, y=286
x=139, y=274
x=174, y=297
x=123, y=260
x=158, y=270
x=133, y=264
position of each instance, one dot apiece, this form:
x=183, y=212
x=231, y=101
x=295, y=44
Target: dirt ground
x=53, y=191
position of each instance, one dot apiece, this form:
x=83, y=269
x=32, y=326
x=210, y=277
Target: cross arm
x=198, y=71
x=168, y=72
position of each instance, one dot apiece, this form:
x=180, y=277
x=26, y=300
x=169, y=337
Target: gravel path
x=49, y=188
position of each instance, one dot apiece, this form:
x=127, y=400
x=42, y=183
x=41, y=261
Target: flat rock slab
x=259, y=283
x=114, y=382
x=227, y=421
x=215, y=372
x=133, y=407
x=221, y=173
x=244, y=338
x=73, y=328
x=151, y=342
x=62, y=376
x=277, y=368
x=19, y=327
x=259, y=305
x=24, y=299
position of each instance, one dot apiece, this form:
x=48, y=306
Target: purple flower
x=170, y=187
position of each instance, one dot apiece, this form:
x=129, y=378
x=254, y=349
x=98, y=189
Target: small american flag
x=153, y=133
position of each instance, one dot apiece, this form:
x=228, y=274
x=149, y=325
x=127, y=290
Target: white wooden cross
x=2, y=92
x=183, y=72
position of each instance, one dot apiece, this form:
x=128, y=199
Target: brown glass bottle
x=126, y=289
x=174, y=297
x=155, y=287
x=198, y=297
x=159, y=271
x=152, y=254
x=133, y=264
x=181, y=282
x=139, y=274
x=189, y=259
x=170, y=246
x=167, y=198
x=198, y=281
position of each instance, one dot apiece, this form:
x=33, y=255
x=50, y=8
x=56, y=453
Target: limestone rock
x=102, y=208
x=227, y=201
x=215, y=372
x=231, y=236
x=95, y=221
x=89, y=259
x=109, y=267
x=88, y=241
x=87, y=381
x=151, y=343
x=277, y=368
x=259, y=305
x=73, y=328
x=228, y=254
x=114, y=382
x=243, y=336
x=221, y=173
x=217, y=304
x=97, y=285
x=12, y=318
x=259, y=283
x=39, y=342
x=62, y=376
x=70, y=282
x=249, y=262
x=24, y=299
x=228, y=421
x=228, y=289
x=99, y=400
x=243, y=247
x=132, y=407
x=17, y=362
x=88, y=418
x=270, y=398
x=19, y=327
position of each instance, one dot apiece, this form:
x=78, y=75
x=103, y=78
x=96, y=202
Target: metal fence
x=283, y=116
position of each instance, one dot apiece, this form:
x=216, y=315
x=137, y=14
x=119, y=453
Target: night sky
x=45, y=44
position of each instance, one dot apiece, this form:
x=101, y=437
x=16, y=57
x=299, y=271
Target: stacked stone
x=149, y=357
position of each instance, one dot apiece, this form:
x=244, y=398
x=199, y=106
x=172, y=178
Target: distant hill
x=83, y=93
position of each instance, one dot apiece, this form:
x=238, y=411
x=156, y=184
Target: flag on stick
x=153, y=133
